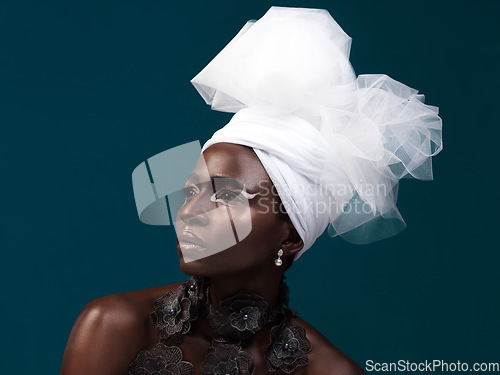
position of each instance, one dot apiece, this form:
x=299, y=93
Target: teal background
x=90, y=89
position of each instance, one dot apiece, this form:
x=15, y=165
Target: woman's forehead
x=233, y=161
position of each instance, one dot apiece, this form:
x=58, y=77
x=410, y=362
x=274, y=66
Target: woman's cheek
x=262, y=207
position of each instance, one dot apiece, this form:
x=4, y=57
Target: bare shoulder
x=110, y=331
x=324, y=357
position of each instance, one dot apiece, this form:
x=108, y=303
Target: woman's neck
x=225, y=287
x=266, y=286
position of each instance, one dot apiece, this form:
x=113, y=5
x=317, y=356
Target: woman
x=111, y=330
x=311, y=145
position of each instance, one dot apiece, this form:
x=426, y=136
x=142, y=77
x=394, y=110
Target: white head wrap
x=335, y=146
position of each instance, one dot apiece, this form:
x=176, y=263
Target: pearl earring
x=278, y=261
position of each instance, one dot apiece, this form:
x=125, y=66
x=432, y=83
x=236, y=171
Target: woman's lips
x=188, y=241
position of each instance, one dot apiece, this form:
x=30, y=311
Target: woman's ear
x=293, y=244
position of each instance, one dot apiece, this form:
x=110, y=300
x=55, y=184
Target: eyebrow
x=196, y=180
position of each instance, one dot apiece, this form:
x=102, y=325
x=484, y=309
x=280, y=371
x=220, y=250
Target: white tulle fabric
x=334, y=145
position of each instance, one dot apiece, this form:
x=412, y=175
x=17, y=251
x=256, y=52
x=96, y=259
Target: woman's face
x=230, y=221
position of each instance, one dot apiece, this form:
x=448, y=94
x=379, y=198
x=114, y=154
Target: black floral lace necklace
x=235, y=323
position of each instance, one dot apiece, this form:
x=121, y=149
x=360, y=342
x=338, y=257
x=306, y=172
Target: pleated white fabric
x=334, y=145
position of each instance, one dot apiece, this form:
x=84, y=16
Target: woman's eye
x=189, y=192
x=224, y=196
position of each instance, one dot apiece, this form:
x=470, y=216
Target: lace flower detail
x=196, y=289
x=246, y=319
x=161, y=360
x=227, y=359
x=175, y=310
x=238, y=319
x=288, y=349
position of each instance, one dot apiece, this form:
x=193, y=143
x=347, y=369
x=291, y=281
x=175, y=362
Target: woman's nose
x=195, y=210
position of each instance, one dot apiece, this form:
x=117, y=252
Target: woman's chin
x=192, y=268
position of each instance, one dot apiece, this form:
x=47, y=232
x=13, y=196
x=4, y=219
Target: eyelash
x=186, y=190
x=215, y=197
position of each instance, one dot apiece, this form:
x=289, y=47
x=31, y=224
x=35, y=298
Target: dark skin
x=111, y=330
